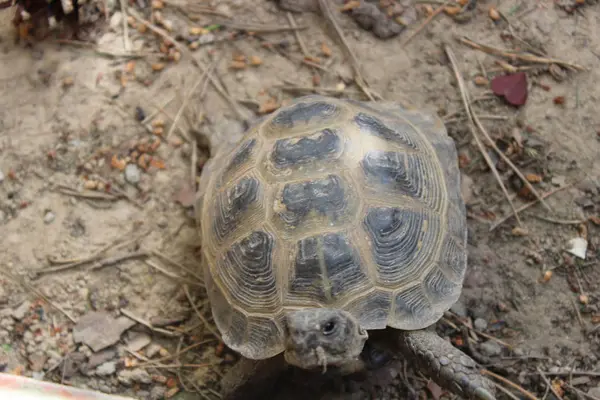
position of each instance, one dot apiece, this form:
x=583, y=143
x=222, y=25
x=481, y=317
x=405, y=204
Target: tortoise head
x=317, y=337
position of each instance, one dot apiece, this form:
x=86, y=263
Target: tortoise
x=330, y=222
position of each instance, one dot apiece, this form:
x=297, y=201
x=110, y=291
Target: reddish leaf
x=436, y=391
x=513, y=87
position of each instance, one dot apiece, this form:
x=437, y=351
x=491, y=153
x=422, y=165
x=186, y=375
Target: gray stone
x=99, y=329
x=157, y=392
x=128, y=377
x=108, y=368
x=132, y=174
x=459, y=309
x=491, y=348
x=480, y=324
x=20, y=312
x=138, y=341
x=594, y=392
x=116, y=20
x=49, y=217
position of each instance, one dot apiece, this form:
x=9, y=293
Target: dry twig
x=519, y=56
x=513, y=385
x=199, y=314
x=424, y=23
x=526, y=206
x=467, y=104
x=547, y=382
x=147, y=324
x=358, y=77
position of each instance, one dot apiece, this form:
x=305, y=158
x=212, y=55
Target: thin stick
x=561, y=221
x=579, y=318
x=358, y=77
x=509, y=383
x=88, y=195
x=526, y=206
x=147, y=324
x=184, y=50
x=519, y=56
x=424, y=24
x=203, y=79
x=117, y=259
x=173, y=356
x=507, y=160
x=200, y=316
x=466, y=103
x=505, y=391
x=126, y=42
x=170, y=274
x=178, y=265
x=550, y=386
x=574, y=373
x=292, y=22
x=39, y=294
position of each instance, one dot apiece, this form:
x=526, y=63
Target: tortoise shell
x=332, y=203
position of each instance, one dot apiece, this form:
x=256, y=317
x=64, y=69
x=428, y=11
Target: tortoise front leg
x=250, y=379
x=449, y=367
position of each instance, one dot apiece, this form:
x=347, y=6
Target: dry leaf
x=481, y=80
x=158, y=67
x=435, y=390
x=595, y=220
x=157, y=4
x=513, y=87
x=533, y=178
x=351, y=5
x=268, y=106
x=452, y=10
x=197, y=31
x=237, y=65
x=255, y=60
x=494, y=14
x=547, y=276
x=156, y=163
x=118, y=163
x=325, y=50
x=518, y=231
x=158, y=123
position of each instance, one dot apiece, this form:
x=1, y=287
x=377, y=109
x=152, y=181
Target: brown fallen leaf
x=237, y=65
x=435, y=390
x=533, y=178
x=156, y=163
x=595, y=220
x=513, y=87
x=268, y=106
x=351, y=5
x=325, y=50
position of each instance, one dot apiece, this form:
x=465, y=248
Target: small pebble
x=1, y=176
x=49, y=217
x=491, y=348
x=480, y=324
x=108, y=368
x=132, y=174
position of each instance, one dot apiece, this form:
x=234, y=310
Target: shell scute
x=326, y=268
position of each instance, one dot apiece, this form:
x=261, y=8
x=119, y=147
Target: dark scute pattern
x=372, y=310
x=290, y=152
x=399, y=133
x=247, y=271
x=439, y=288
x=342, y=264
x=325, y=196
x=242, y=154
x=412, y=306
x=395, y=236
x=308, y=277
x=403, y=173
x=333, y=255
x=304, y=112
x=232, y=204
x=453, y=260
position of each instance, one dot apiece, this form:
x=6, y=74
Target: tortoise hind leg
x=449, y=367
x=251, y=379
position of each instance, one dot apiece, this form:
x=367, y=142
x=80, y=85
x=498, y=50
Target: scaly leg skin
x=251, y=379
x=449, y=367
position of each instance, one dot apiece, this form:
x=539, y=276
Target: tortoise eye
x=329, y=328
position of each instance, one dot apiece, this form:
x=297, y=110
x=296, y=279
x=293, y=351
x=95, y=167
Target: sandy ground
x=66, y=122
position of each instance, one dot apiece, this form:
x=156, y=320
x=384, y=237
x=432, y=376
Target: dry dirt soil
x=70, y=115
